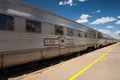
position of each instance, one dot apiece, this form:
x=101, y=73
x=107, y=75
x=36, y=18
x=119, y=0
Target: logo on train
x=62, y=40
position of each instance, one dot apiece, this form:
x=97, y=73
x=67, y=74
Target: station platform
x=101, y=64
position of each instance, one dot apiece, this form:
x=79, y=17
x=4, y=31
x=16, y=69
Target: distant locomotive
x=29, y=34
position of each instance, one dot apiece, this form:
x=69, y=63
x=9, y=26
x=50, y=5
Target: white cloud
x=104, y=31
x=110, y=27
x=103, y=20
x=117, y=32
x=83, y=18
x=82, y=0
x=118, y=22
x=70, y=2
x=67, y=2
x=98, y=11
x=61, y=3
x=118, y=17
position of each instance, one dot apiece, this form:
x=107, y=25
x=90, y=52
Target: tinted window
x=91, y=35
x=81, y=34
x=85, y=34
x=6, y=22
x=33, y=26
x=100, y=36
x=58, y=30
x=69, y=32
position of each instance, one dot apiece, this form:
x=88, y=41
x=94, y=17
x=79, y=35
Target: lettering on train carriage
x=69, y=42
x=60, y=41
x=51, y=41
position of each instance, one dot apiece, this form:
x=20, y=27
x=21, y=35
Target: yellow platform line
x=91, y=64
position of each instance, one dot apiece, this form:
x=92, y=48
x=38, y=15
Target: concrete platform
x=83, y=67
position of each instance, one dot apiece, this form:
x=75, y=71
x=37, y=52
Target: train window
x=58, y=30
x=81, y=34
x=6, y=22
x=33, y=26
x=86, y=34
x=100, y=36
x=69, y=32
x=90, y=35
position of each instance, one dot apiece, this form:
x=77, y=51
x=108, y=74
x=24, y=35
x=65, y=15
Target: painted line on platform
x=91, y=64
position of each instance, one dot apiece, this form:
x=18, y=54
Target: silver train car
x=29, y=34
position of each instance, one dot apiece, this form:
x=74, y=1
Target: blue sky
x=102, y=15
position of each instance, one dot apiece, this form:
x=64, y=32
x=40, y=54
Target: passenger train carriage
x=29, y=34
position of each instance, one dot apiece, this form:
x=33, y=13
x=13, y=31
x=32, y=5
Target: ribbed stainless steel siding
x=39, y=14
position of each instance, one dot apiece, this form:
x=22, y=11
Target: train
x=29, y=33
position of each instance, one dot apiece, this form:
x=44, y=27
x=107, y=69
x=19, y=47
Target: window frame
x=59, y=32
x=6, y=24
x=100, y=35
x=35, y=23
x=69, y=31
x=81, y=33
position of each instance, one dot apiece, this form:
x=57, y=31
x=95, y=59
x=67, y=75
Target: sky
x=102, y=15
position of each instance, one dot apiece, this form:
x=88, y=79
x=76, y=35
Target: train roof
x=20, y=8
